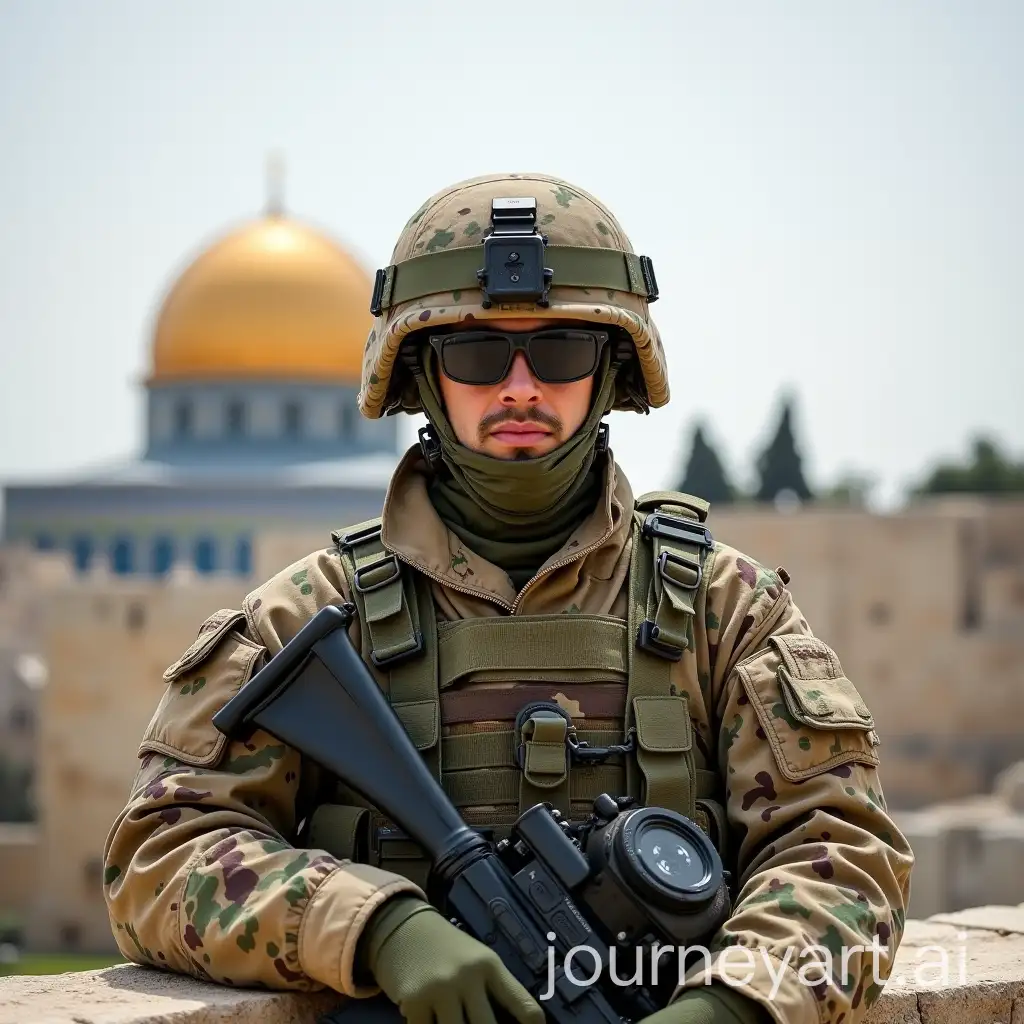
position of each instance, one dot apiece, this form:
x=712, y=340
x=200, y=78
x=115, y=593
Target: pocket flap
x=210, y=634
x=812, y=716
x=814, y=687
x=182, y=725
x=663, y=724
x=420, y=719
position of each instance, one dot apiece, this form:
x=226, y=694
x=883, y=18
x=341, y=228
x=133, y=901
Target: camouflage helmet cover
x=458, y=217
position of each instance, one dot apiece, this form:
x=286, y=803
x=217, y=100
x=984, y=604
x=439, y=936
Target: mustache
x=488, y=423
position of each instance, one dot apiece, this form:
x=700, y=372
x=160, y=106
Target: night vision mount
x=513, y=269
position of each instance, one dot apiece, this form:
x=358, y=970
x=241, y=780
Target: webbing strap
x=399, y=633
x=546, y=770
x=454, y=270
x=665, y=577
x=530, y=643
x=497, y=786
x=498, y=749
x=678, y=541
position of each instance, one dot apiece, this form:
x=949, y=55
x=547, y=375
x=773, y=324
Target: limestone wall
x=107, y=650
x=926, y=611
x=968, y=852
x=965, y=968
x=19, y=851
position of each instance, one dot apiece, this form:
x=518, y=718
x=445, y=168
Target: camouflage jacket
x=203, y=874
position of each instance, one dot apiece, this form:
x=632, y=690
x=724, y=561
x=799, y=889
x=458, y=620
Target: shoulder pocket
x=210, y=633
x=199, y=684
x=813, y=716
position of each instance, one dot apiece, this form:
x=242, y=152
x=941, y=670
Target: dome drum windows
x=236, y=418
x=293, y=420
x=184, y=418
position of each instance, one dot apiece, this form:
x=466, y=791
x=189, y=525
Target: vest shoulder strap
x=670, y=545
x=399, y=632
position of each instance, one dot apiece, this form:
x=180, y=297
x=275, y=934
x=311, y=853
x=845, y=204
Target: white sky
x=833, y=195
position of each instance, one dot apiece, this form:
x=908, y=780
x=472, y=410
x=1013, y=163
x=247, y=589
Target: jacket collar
x=413, y=531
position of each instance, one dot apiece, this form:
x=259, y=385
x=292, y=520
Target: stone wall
x=107, y=650
x=968, y=852
x=19, y=851
x=965, y=968
x=925, y=609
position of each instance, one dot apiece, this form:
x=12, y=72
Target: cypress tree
x=705, y=476
x=780, y=464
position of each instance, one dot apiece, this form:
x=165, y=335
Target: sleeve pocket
x=813, y=716
x=199, y=684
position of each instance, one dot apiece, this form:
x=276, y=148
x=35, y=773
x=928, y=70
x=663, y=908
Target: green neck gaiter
x=517, y=513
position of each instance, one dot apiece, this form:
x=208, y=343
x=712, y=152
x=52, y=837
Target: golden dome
x=273, y=300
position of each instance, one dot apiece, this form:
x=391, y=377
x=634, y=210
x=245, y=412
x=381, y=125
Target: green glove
x=434, y=972
x=716, y=1004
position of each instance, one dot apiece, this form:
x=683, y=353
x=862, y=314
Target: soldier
x=512, y=563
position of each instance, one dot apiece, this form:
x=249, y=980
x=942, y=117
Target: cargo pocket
x=199, y=684
x=813, y=716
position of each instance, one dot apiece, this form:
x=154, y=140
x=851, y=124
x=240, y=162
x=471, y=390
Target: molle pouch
x=812, y=714
x=341, y=830
x=213, y=669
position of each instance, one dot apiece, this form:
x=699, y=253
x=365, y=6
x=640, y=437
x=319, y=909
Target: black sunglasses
x=556, y=355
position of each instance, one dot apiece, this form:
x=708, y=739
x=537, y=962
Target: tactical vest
x=463, y=692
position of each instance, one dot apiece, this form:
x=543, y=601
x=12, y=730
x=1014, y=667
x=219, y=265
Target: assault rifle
x=627, y=878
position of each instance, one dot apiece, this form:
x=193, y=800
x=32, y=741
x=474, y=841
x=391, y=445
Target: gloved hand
x=434, y=972
x=717, y=1003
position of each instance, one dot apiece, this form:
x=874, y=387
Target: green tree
x=988, y=472
x=852, y=489
x=780, y=464
x=705, y=476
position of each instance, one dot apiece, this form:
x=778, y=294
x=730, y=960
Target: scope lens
x=671, y=858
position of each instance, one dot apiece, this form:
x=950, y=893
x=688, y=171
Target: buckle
x=603, y=432
x=347, y=541
x=647, y=638
x=430, y=445
x=650, y=281
x=543, y=709
x=410, y=650
x=583, y=752
x=357, y=579
x=667, y=557
x=660, y=524
x=376, y=306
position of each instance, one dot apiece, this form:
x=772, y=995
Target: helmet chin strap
x=430, y=444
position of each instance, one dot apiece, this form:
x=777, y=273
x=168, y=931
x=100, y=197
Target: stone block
x=1006, y=920
x=127, y=994
x=929, y=885
x=1002, y=867
x=1009, y=787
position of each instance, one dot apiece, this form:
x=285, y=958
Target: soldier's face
x=520, y=417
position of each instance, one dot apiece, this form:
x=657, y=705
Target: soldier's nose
x=520, y=386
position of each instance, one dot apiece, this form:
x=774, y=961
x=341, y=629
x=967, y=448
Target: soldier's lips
x=519, y=436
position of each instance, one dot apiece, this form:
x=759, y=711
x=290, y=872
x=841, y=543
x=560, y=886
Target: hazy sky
x=833, y=195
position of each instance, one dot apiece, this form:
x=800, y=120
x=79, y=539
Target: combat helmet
x=504, y=246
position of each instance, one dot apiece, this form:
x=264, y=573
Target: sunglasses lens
x=560, y=356
x=475, y=358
